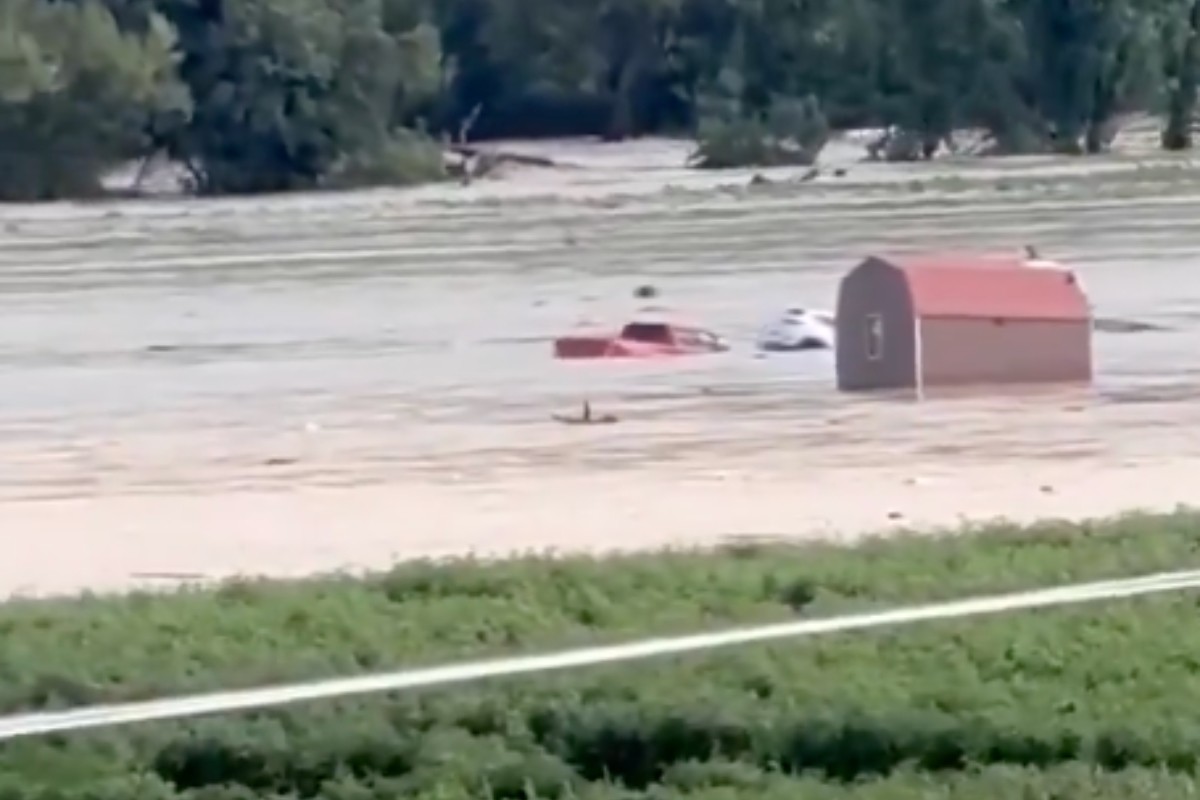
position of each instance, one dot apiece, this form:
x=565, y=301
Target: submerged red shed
x=911, y=323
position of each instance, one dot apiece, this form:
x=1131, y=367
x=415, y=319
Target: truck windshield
x=654, y=332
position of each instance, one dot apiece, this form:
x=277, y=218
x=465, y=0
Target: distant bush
x=404, y=158
x=790, y=132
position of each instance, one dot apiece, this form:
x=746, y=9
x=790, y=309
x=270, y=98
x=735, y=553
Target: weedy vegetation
x=1095, y=701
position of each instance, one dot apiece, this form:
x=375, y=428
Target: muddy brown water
x=335, y=340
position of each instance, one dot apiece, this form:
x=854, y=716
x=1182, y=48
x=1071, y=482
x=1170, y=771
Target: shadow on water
x=1117, y=325
x=1178, y=392
x=1017, y=396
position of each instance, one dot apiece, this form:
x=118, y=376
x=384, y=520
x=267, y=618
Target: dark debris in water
x=586, y=417
x=1118, y=325
x=280, y=461
x=1144, y=395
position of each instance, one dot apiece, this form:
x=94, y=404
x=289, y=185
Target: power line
x=85, y=718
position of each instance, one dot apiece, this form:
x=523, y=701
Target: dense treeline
x=1092, y=702
x=270, y=95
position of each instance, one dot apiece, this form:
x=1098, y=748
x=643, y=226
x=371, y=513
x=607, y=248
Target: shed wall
x=956, y=352
x=875, y=290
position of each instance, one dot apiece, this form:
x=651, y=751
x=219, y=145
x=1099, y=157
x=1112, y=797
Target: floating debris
x=586, y=417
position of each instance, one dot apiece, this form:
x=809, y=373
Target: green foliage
x=1181, y=33
x=403, y=158
x=1094, y=701
x=274, y=95
x=788, y=132
x=288, y=91
x=76, y=95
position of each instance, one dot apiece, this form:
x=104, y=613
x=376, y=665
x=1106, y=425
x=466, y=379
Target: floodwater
x=384, y=337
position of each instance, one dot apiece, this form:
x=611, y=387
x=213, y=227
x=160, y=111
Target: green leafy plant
x=1094, y=699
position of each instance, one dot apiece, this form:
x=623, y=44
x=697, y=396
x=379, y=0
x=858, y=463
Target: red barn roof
x=958, y=261
x=996, y=288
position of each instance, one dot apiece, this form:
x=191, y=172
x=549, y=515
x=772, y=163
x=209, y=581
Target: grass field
x=1097, y=701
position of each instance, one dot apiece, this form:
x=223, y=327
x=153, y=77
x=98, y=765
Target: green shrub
x=405, y=158
x=791, y=132
x=1089, y=701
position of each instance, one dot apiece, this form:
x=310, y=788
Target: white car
x=798, y=329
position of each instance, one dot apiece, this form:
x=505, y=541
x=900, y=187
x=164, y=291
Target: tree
x=274, y=95
x=1085, y=61
x=76, y=96
x=1182, y=73
x=286, y=91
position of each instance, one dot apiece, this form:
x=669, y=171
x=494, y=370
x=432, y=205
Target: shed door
x=873, y=336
